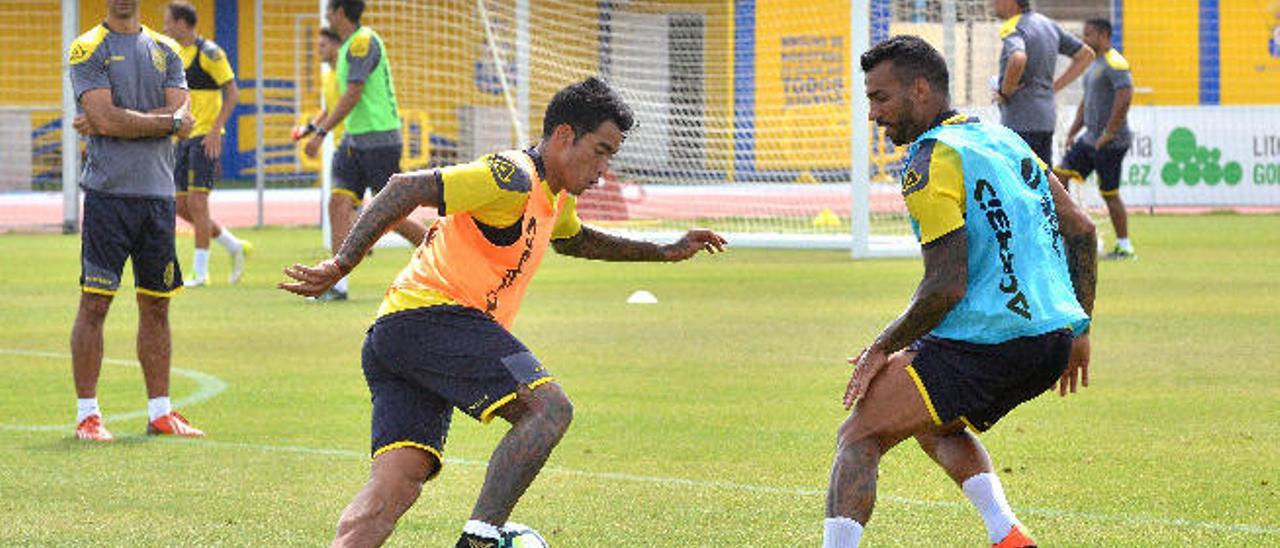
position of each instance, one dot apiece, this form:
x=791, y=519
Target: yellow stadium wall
x=1250, y=72
x=801, y=97
x=30, y=69
x=1167, y=49
x=1162, y=45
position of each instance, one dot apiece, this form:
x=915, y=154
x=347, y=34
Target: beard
x=906, y=128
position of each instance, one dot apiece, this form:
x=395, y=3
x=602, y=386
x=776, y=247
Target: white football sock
x=200, y=264
x=86, y=407
x=341, y=285
x=228, y=241
x=158, y=407
x=481, y=529
x=841, y=532
x=986, y=494
x=1123, y=243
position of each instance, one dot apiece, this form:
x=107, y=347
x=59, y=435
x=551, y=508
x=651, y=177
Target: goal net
x=30, y=115
x=743, y=109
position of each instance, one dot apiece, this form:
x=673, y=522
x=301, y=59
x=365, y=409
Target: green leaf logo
x=1190, y=163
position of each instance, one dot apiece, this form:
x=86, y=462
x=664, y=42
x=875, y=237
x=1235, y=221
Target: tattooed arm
x=946, y=275
x=404, y=193
x=590, y=243
x=1081, y=239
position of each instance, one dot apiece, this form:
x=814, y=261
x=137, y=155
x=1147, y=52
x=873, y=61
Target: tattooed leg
x=891, y=411
x=593, y=244
x=538, y=418
x=852, y=492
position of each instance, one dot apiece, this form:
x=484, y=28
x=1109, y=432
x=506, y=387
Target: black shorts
x=192, y=168
x=122, y=227
x=1083, y=159
x=421, y=363
x=980, y=383
x=357, y=169
x=1041, y=143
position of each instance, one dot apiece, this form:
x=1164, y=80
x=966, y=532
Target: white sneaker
x=196, y=282
x=237, y=261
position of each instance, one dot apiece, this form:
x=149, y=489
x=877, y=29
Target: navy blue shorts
x=981, y=383
x=1083, y=159
x=125, y=227
x=192, y=168
x=422, y=363
x=357, y=169
x=1041, y=143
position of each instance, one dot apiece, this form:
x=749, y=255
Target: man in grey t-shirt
x=1104, y=114
x=132, y=96
x=1030, y=44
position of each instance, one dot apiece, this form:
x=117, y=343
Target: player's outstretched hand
x=694, y=241
x=311, y=280
x=866, y=366
x=1077, y=366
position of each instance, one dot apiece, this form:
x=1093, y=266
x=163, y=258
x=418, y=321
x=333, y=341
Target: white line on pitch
x=207, y=386
x=211, y=386
x=1126, y=519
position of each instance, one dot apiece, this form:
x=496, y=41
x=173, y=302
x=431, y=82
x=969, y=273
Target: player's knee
x=364, y=521
x=856, y=435
x=153, y=308
x=557, y=410
x=95, y=306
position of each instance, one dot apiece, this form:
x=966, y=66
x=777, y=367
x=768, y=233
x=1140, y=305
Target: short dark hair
x=912, y=58
x=330, y=34
x=1024, y=5
x=584, y=106
x=183, y=11
x=1099, y=24
x=353, y=9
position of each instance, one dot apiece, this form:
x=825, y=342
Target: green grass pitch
x=706, y=419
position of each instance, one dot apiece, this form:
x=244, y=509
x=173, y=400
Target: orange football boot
x=92, y=429
x=1015, y=539
x=173, y=424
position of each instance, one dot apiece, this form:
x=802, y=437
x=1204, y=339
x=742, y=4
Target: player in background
x=370, y=152
x=442, y=336
x=1001, y=314
x=327, y=44
x=1030, y=44
x=214, y=95
x=1104, y=115
x=132, y=96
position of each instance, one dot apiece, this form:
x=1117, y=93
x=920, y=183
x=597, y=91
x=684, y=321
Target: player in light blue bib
x=1001, y=315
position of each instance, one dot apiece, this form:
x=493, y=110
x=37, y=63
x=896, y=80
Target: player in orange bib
x=441, y=339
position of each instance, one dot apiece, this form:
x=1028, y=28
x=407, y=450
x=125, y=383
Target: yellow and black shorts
x=118, y=228
x=981, y=383
x=358, y=169
x=1082, y=159
x=193, y=170
x=423, y=362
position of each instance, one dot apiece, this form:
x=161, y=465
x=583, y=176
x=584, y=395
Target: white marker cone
x=642, y=297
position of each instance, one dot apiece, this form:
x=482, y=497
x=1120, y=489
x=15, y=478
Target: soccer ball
x=517, y=535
